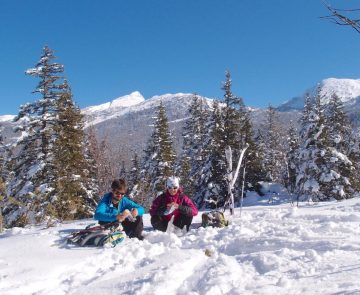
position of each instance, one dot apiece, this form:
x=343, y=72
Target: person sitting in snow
x=171, y=203
x=116, y=206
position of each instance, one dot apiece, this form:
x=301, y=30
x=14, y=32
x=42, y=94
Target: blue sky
x=274, y=49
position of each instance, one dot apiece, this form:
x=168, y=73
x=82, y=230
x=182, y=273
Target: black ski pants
x=158, y=222
x=133, y=229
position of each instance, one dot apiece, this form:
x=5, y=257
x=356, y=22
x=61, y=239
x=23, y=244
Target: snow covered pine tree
x=35, y=180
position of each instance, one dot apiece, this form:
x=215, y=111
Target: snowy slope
x=271, y=249
x=347, y=89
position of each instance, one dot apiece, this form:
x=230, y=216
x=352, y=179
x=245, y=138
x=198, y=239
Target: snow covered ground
x=272, y=249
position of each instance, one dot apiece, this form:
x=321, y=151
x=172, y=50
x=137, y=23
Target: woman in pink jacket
x=172, y=203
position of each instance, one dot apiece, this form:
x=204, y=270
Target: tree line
x=56, y=171
x=317, y=158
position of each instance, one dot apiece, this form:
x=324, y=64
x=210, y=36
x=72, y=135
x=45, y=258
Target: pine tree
x=354, y=157
x=32, y=158
x=339, y=125
x=45, y=109
x=139, y=183
x=274, y=155
x=2, y=197
x=325, y=170
x=100, y=154
x=159, y=159
x=74, y=186
x=336, y=178
x=212, y=184
x=194, y=135
x=292, y=158
x=183, y=171
x=134, y=174
x=183, y=167
x=50, y=177
x=2, y=156
x=231, y=115
x=261, y=147
x=312, y=163
x=134, y=178
x=2, y=172
x=123, y=172
x=253, y=158
x=234, y=121
x=92, y=180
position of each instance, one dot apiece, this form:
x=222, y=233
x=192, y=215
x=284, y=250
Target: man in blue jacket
x=116, y=206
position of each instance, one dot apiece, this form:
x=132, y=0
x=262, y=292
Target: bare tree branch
x=343, y=17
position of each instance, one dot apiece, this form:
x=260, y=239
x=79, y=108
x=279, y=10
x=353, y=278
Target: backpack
x=97, y=235
x=214, y=219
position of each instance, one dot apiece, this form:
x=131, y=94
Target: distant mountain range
x=126, y=122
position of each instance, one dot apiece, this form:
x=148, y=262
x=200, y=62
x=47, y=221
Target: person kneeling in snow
x=172, y=203
x=116, y=206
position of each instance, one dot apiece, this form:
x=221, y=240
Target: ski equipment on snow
x=97, y=235
x=232, y=176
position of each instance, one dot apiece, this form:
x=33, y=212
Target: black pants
x=159, y=223
x=132, y=229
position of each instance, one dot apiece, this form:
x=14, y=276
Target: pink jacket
x=186, y=205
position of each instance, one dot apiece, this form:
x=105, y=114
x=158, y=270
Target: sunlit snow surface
x=271, y=249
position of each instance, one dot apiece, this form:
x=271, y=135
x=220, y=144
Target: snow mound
x=276, y=249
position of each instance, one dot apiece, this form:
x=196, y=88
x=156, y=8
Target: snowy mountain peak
x=121, y=102
x=348, y=91
x=127, y=100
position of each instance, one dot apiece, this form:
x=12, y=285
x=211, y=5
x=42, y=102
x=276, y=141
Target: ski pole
x=242, y=190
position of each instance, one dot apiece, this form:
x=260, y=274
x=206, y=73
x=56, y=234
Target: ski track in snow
x=275, y=249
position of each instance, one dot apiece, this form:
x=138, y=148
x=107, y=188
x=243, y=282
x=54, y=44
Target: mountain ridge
x=126, y=122
x=347, y=89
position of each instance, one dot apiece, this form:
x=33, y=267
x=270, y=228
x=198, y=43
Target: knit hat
x=172, y=182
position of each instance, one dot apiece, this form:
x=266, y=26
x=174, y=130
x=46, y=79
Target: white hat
x=172, y=182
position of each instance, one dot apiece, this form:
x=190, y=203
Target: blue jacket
x=105, y=211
